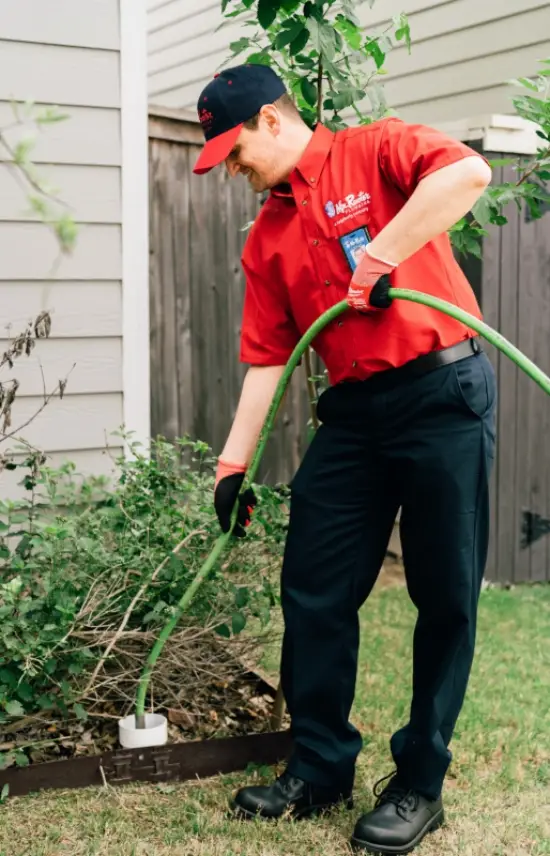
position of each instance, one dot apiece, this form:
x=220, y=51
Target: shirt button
x=312, y=179
x=327, y=281
x=315, y=242
x=340, y=323
x=304, y=201
x=354, y=364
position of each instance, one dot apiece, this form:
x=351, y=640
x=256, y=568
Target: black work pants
x=426, y=446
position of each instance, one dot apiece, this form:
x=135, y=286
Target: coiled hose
x=396, y=293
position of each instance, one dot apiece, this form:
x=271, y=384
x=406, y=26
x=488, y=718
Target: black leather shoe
x=288, y=794
x=399, y=821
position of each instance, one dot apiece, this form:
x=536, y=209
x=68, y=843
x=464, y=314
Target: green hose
x=399, y=293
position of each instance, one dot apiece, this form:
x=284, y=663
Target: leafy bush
x=91, y=572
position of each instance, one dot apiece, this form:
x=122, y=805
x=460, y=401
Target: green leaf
x=502, y=162
x=374, y=50
x=311, y=10
x=309, y=91
x=402, y=29
x=3, y=526
x=259, y=58
x=225, y=4
x=323, y=38
x=346, y=96
x=25, y=692
x=240, y=45
x=299, y=43
x=482, y=210
x=288, y=34
x=8, y=677
x=49, y=115
x=22, y=150
x=267, y=12
x=350, y=31
x=21, y=759
x=80, y=712
x=242, y=596
x=4, y=793
x=14, y=708
x=66, y=231
x=525, y=82
x=238, y=623
x=223, y=630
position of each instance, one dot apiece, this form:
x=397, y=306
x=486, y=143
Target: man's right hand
x=229, y=480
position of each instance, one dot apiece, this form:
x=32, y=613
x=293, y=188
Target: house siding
x=464, y=52
x=66, y=54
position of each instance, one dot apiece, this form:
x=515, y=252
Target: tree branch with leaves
x=28, y=122
x=320, y=50
x=533, y=172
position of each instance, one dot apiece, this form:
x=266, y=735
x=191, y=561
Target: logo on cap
x=206, y=118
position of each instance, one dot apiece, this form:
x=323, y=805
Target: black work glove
x=225, y=495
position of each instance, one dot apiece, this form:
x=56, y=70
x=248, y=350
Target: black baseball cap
x=227, y=102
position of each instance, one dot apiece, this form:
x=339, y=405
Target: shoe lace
x=402, y=798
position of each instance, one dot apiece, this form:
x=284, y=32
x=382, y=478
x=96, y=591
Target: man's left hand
x=370, y=284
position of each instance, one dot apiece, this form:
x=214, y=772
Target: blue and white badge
x=354, y=245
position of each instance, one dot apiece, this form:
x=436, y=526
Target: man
x=408, y=422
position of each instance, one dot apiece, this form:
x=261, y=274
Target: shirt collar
x=310, y=165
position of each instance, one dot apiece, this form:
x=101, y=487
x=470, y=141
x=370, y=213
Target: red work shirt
x=296, y=267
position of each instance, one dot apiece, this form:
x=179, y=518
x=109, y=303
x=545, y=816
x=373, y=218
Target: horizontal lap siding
x=68, y=55
x=92, y=193
x=93, y=365
x=79, y=308
x=72, y=423
x=77, y=23
x=463, y=53
x=90, y=137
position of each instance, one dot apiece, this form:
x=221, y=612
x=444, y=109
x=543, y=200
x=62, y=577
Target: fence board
x=490, y=303
x=507, y=390
x=539, y=434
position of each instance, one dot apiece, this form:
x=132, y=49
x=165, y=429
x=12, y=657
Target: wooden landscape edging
x=177, y=762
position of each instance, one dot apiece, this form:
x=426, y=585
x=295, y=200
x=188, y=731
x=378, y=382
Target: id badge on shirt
x=354, y=245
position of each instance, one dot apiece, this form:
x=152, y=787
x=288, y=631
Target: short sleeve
x=408, y=153
x=268, y=334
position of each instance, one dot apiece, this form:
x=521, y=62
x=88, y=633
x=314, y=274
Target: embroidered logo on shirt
x=350, y=206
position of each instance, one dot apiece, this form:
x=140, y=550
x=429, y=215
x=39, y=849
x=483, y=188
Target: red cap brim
x=215, y=151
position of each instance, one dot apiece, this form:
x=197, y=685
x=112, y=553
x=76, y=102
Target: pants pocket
x=475, y=385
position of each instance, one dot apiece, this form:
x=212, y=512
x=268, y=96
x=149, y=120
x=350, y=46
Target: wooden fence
x=196, y=301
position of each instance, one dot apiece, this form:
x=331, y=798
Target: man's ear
x=272, y=117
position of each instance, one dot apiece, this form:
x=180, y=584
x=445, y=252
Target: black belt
x=426, y=363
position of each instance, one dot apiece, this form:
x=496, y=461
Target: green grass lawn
x=497, y=794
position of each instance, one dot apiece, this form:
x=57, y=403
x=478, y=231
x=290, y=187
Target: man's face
x=255, y=155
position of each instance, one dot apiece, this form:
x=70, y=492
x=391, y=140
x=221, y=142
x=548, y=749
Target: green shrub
x=86, y=565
